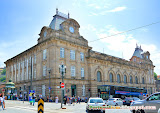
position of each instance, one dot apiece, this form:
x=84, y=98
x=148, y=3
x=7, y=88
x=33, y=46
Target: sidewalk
x=48, y=107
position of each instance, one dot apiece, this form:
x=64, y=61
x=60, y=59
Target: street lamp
x=23, y=91
x=49, y=71
x=62, y=71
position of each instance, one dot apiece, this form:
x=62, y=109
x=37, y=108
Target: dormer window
x=45, y=34
x=147, y=57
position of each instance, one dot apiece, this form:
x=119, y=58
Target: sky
x=22, y=21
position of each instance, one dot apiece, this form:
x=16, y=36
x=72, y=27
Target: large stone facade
x=64, y=44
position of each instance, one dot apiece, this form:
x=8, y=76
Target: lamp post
x=23, y=91
x=62, y=70
x=49, y=71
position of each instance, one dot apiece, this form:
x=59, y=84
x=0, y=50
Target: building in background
x=87, y=70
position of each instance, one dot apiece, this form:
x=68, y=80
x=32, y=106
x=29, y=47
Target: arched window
x=136, y=79
x=125, y=79
x=142, y=80
x=99, y=76
x=111, y=77
x=118, y=78
x=131, y=80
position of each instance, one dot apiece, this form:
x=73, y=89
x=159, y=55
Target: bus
x=112, y=91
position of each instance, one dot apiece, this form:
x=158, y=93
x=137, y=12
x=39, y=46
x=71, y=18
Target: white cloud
x=126, y=43
x=117, y=9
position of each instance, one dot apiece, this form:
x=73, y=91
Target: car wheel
x=138, y=111
x=133, y=111
x=88, y=111
x=116, y=104
x=142, y=111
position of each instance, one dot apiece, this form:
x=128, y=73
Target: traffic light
x=89, y=89
x=99, y=90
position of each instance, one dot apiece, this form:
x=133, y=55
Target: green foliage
x=3, y=79
x=155, y=76
x=3, y=72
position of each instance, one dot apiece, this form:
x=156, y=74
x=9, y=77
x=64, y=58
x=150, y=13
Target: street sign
x=62, y=85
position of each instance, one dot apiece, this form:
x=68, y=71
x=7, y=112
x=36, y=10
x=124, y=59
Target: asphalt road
x=20, y=107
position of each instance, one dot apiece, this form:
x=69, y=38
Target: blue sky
x=21, y=22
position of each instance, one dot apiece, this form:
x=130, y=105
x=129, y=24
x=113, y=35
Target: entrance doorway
x=73, y=90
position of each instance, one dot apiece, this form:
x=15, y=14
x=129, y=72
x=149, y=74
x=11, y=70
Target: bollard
x=40, y=106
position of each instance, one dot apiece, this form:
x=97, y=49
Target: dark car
x=127, y=101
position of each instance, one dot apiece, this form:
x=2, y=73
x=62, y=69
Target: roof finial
x=56, y=10
x=68, y=14
x=136, y=45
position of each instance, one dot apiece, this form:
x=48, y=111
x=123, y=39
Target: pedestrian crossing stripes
x=40, y=106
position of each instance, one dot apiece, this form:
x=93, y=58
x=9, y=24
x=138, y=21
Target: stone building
x=85, y=69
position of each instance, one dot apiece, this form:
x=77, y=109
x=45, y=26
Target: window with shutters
x=44, y=70
x=35, y=73
x=72, y=54
x=34, y=59
x=73, y=71
x=82, y=73
x=61, y=52
x=44, y=54
x=83, y=90
x=43, y=90
x=82, y=56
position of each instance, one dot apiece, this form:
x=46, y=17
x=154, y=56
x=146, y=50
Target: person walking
x=76, y=99
x=73, y=100
x=65, y=99
x=56, y=99
x=33, y=98
x=79, y=99
x=1, y=98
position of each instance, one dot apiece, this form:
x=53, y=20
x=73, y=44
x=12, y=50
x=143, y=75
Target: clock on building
x=71, y=29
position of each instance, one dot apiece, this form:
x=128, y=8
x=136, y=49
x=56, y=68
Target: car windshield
x=136, y=99
x=96, y=101
x=111, y=99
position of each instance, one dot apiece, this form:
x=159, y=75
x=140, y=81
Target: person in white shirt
x=2, y=99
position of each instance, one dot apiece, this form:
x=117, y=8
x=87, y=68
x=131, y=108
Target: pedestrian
x=65, y=99
x=40, y=96
x=70, y=100
x=1, y=98
x=33, y=98
x=56, y=98
x=86, y=100
x=47, y=99
x=3, y=101
x=76, y=99
x=73, y=100
x=79, y=99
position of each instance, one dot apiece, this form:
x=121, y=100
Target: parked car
x=114, y=102
x=152, y=100
x=95, y=102
x=127, y=101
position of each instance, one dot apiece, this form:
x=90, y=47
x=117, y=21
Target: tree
x=155, y=76
x=3, y=72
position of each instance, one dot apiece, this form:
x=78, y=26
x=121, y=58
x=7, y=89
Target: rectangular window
x=62, y=52
x=72, y=54
x=34, y=59
x=35, y=73
x=43, y=90
x=44, y=70
x=82, y=56
x=73, y=71
x=44, y=54
x=83, y=90
x=82, y=72
x=29, y=74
